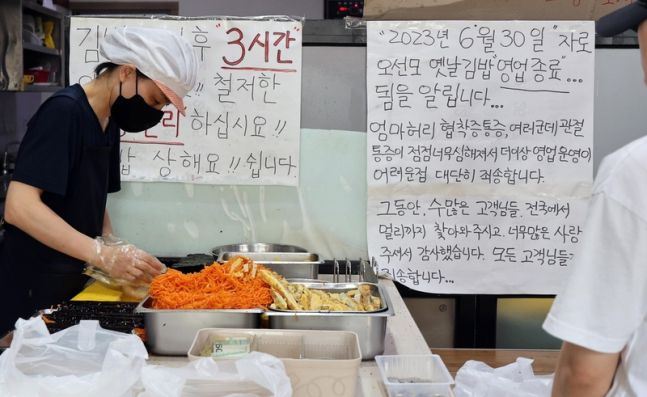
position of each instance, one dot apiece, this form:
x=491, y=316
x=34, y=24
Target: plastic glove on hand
x=122, y=260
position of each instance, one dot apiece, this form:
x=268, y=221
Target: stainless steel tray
x=306, y=281
x=256, y=247
x=171, y=331
x=369, y=326
x=336, y=288
x=273, y=257
x=287, y=264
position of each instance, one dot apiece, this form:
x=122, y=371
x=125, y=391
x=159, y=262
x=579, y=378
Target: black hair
x=109, y=67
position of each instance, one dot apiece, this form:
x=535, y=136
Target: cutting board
x=97, y=291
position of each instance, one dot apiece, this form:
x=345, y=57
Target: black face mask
x=134, y=114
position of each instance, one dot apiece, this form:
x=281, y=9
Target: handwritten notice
x=479, y=151
x=242, y=122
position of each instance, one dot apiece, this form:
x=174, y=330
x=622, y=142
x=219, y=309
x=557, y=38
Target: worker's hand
x=122, y=260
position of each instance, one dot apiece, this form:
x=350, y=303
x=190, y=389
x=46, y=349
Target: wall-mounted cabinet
x=32, y=47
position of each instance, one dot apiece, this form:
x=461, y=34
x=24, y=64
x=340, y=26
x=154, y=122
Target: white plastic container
x=319, y=363
x=415, y=375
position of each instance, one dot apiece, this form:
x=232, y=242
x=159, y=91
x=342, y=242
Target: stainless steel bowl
x=255, y=247
x=288, y=260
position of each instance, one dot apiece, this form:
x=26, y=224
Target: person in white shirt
x=602, y=313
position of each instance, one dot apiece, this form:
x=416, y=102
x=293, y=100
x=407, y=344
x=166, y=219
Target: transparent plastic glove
x=121, y=260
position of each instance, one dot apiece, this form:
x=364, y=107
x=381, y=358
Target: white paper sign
x=242, y=121
x=479, y=150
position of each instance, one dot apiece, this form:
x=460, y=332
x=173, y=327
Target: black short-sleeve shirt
x=76, y=164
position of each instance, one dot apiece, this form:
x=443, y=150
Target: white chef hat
x=163, y=56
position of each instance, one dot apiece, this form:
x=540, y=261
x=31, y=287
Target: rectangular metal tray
x=287, y=264
x=171, y=331
x=255, y=247
x=369, y=326
x=336, y=288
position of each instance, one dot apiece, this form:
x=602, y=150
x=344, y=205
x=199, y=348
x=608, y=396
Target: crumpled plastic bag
x=87, y=360
x=254, y=375
x=477, y=379
x=82, y=360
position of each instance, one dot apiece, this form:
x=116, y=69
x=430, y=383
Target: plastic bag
x=254, y=375
x=477, y=379
x=82, y=360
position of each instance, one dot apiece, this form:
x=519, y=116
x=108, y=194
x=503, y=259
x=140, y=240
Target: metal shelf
x=41, y=88
x=41, y=10
x=41, y=49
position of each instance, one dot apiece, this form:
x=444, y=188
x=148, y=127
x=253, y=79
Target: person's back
x=604, y=305
x=601, y=315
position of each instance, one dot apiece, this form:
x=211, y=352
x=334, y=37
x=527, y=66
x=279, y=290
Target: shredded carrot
x=232, y=285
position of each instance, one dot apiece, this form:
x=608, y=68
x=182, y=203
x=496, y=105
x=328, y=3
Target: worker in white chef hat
x=56, y=219
x=163, y=62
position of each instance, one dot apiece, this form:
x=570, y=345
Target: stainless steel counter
x=402, y=337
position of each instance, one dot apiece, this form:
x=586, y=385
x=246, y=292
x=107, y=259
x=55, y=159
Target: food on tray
x=295, y=296
x=234, y=284
x=240, y=283
x=116, y=316
x=280, y=289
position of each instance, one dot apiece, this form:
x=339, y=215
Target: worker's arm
x=583, y=373
x=107, y=225
x=25, y=210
